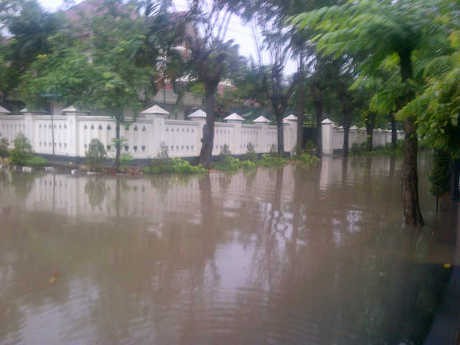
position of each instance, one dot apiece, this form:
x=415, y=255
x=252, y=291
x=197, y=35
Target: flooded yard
x=273, y=256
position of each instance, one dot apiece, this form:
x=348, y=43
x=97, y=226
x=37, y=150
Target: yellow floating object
x=447, y=265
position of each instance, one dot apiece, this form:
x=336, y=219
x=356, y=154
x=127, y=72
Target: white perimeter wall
x=143, y=138
x=332, y=137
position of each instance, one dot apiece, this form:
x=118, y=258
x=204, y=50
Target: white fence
x=146, y=137
x=332, y=136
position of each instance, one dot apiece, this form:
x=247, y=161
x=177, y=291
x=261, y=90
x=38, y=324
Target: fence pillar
x=157, y=116
x=327, y=128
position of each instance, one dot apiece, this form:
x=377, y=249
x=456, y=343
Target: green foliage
x=306, y=159
x=96, y=153
x=251, y=154
x=440, y=173
x=35, y=161
x=225, y=151
x=271, y=160
x=4, y=148
x=22, y=150
x=173, y=166
x=125, y=159
x=231, y=164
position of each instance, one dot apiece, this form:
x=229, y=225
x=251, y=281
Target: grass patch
x=173, y=166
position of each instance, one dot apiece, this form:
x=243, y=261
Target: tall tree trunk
x=346, y=139
x=370, y=124
x=412, y=214
x=116, y=163
x=300, y=105
x=208, y=129
x=394, y=133
x=280, y=133
x=318, y=106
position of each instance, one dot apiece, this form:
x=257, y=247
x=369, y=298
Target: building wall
x=146, y=137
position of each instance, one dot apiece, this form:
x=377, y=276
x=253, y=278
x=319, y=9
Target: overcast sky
x=238, y=31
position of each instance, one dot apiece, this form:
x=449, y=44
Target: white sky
x=238, y=31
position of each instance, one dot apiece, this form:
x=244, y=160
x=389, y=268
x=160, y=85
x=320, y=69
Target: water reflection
x=276, y=256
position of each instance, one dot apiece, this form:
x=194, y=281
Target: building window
x=126, y=147
x=143, y=147
x=85, y=127
x=108, y=147
x=135, y=148
x=109, y=128
x=144, y=129
x=92, y=126
x=135, y=128
x=100, y=127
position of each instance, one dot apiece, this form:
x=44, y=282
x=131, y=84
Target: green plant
x=271, y=160
x=4, y=148
x=251, y=154
x=248, y=164
x=225, y=151
x=22, y=150
x=306, y=159
x=125, y=159
x=35, y=161
x=173, y=166
x=227, y=163
x=96, y=152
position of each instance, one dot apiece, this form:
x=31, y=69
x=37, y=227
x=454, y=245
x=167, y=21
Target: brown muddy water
x=274, y=256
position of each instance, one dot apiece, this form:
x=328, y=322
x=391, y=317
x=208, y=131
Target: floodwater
x=275, y=256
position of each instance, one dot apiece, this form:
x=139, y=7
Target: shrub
x=225, y=151
x=173, y=166
x=307, y=159
x=251, y=154
x=272, y=160
x=96, y=153
x=248, y=164
x=4, y=148
x=36, y=161
x=22, y=150
x=125, y=159
x=227, y=163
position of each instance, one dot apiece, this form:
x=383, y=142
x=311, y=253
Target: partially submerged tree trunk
x=116, y=163
x=412, y=214
x=370, y=124
x=346, y=139
x=411, y=205
x=346, y=128
x=208, y=130
x=318, y=106
x=280, y=133
x=394, y=133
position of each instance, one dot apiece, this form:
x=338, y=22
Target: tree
x=99, y=73
x=371, y=31
x=30, y=27
x=211, y=58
